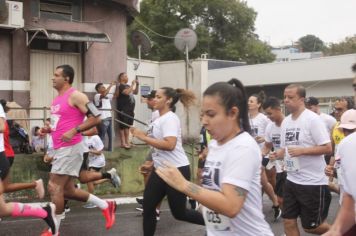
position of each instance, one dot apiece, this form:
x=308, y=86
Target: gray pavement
x=90, y=222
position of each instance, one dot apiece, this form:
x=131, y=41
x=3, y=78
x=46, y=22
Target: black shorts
x=310, y=202
x=11, y=160
x=126, y=119
x=4, y=165
x=97, y=169
x=85, y=161
x=280, y=180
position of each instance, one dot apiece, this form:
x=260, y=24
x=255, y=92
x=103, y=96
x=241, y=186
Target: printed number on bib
x=291, y=163
x=215, y=221
x=54, y=121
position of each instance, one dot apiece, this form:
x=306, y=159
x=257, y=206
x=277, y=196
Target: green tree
x=347, y=46
x=311, y=43
x=225, y=29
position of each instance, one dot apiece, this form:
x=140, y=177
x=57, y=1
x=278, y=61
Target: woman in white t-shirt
x=258, y=121
x=164, y=135
x=231, y=192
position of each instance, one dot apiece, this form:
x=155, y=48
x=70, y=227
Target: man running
x=304, y=141
x=68, y=110
x=273, y=110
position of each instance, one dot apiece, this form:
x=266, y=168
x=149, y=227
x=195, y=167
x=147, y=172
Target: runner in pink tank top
x=63, y=118
x=67, y=114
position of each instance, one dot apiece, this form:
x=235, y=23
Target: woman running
x=16, y=209
x=231, y=193
x=165, y=137
x=8, y=186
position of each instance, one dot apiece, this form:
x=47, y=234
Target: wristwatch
x=77, y=129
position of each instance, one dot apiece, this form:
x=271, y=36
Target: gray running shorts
x=68, y=160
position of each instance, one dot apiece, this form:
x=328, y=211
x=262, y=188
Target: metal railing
x=45, y=116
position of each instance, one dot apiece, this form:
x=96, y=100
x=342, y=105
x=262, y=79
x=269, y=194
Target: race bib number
x=291, y=163
x=54, y=121
x=215, y=221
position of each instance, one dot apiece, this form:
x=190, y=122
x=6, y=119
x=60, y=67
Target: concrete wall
x=104, y=61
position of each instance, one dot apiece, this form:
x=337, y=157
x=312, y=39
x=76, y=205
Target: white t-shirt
x=348, y=164
x=329, y=121
x=307, y=130
x=273, y=135
x=154, y=115
x=168, y=125
x=85, y=144
x=105, y=104
x=238, y=162
x=258, y=126
x=2, y=116
x=94, y=142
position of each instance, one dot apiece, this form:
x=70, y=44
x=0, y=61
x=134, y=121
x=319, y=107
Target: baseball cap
x=348, y=119
x=151, y=94
x=311, y=101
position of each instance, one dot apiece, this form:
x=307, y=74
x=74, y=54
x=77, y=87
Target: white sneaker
x=66, y=209
x=40, y=188
x=115, y=179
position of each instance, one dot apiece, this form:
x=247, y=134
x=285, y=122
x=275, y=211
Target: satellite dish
x=143, y=44
x=185, y=40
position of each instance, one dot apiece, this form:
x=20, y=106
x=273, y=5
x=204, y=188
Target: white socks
x=97, y=202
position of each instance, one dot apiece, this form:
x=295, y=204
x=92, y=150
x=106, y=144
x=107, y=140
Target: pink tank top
x=63, y=118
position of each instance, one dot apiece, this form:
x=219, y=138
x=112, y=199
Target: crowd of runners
x=248, y=147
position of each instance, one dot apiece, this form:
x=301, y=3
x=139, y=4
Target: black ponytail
x=186, y=97
x=232, y=94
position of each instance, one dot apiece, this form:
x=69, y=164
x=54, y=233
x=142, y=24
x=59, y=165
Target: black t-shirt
x=125, y=102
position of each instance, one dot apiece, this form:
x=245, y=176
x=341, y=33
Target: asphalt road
x=90, y=222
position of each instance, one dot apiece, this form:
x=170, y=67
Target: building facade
x=88, y=35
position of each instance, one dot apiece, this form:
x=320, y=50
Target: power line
x=151, y=30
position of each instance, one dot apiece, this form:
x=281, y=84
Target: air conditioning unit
x=11, y=15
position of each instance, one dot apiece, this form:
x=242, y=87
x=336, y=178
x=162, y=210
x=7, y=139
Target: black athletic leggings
x=155, y=191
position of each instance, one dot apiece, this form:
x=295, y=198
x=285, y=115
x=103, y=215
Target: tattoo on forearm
x=193, y=188
x=240, y=192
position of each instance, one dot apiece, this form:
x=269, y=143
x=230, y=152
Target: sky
x=279, y=22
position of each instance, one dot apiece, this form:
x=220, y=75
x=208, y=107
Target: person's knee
x=178, y=214
x=290, y=224
x=69, y=190
x=54, y=188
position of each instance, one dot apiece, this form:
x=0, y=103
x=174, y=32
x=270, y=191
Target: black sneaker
x=277, y=213
x=139, y=201
x=51, y=218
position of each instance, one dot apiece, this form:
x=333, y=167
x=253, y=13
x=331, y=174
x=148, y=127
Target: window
x=60, y=9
